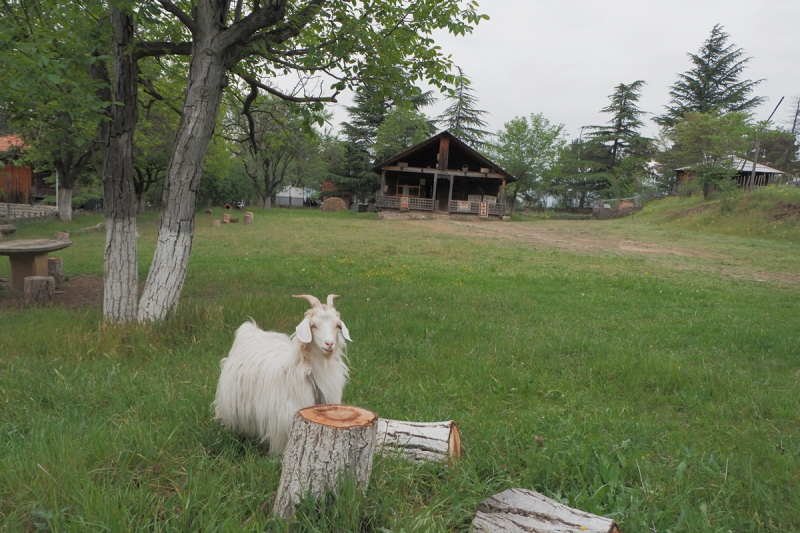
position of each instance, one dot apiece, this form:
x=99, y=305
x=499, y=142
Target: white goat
x=268, y=376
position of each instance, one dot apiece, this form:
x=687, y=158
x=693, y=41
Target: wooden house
x=442, y=174
x=741, y=171
x=15, y=181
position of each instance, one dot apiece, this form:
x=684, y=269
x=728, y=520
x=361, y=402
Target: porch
x=475, y=207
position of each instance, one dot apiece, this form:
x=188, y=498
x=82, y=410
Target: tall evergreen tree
x=713, y=84
x=461, y=118
x=621, y=135
x=372, y=105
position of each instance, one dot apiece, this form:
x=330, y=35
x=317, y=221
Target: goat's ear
x=303, y=331
x=345, y=332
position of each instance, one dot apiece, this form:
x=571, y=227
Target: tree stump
x=420, y=441
x=326, y=443
x=248, y=217
x=55, y=269
x=61, y=235
x=226, y=218
x=520, y=510
x=215, y=222
x=39, y=290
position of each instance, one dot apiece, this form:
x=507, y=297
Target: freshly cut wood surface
x=342, y=416
x=521, y=510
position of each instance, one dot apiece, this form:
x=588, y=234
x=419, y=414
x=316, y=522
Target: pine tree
x=621, y=135
x=714, y=84
x=461, y=118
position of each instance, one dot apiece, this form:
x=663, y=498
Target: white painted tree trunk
x=419, y=441
x=524, y=511
x=182, y=183
x=121, y=269
x=64, y=203
x=326, y=444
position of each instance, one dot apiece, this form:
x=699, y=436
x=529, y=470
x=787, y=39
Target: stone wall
x=25, y=211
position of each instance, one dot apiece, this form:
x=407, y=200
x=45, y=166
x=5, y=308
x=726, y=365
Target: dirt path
x=673, y=249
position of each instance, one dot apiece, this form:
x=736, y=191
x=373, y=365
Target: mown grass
x=665, y=393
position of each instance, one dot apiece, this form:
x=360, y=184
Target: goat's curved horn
x=330, y=299
x=311, y=299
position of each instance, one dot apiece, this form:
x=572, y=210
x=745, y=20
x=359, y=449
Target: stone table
x=28, y=257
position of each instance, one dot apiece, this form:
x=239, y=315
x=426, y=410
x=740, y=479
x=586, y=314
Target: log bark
x=326, y=444
x=521, y=510
x=55, y=269
x=420, y=441
x=39, y=290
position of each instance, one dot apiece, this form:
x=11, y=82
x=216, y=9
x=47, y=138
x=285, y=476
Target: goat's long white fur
x=268, y=376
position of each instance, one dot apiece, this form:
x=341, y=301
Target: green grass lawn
x=664, y=386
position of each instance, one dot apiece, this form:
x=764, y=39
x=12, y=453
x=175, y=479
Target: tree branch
x=187, y=21
x=253, y=82
x=162, y=48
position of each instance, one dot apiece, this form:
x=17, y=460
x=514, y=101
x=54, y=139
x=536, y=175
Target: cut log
x=39, y=290
x=226, y=218
x=419, y=441
x=215, y=222
x=248, y=217
x=521, y=510
x=326, y=444
x=55, y=268
x=61, y=235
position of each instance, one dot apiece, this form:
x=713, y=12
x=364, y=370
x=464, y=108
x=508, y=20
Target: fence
x=620, y=207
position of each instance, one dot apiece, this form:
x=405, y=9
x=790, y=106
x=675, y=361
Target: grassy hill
x=770, y=212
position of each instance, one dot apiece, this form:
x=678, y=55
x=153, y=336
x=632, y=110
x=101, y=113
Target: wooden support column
x=444, y=153
x=433, y=195
x=450, y=197
x=383, y=183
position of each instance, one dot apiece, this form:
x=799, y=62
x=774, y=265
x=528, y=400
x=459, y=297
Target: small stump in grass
x=39, y=290
x=55, y=268
x=326, y=444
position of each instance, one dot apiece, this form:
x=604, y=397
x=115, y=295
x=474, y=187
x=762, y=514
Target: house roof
x=10, y=141
x=455, y=141
x=745, y=165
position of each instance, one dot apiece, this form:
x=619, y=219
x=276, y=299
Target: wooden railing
x=400, y=202
x=463, y=206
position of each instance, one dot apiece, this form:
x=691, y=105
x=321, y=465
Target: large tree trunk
x=121, y=281
x=203, y=97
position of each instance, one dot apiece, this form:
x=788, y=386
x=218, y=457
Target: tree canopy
x=527, y=148
x=714, y=83
x=462, y=118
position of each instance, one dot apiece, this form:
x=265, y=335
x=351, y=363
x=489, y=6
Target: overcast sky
x=563, y=58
